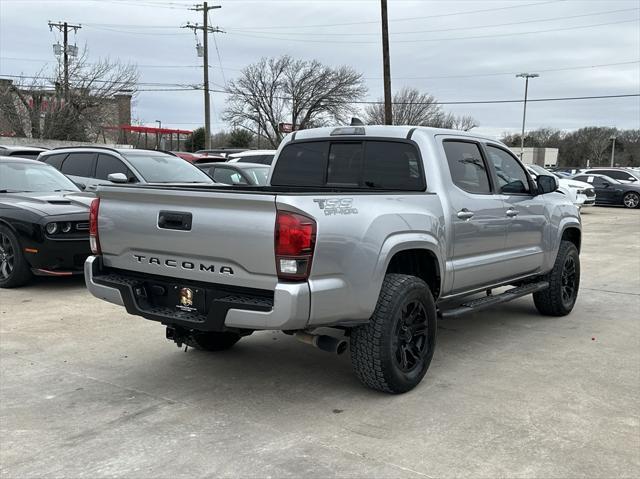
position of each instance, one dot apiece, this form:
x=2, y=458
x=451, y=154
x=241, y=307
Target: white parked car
x=264, y=157
x=580, y=193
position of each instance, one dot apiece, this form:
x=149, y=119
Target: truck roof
x=389, y=131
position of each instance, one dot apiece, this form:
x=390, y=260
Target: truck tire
x=392, y=352
x=564, y=281
x=212, y=341
x=14, y=269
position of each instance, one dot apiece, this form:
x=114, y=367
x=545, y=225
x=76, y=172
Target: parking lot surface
x=89, y=391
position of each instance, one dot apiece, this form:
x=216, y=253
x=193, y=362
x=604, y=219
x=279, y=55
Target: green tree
x=195, y=141
x=240, y=138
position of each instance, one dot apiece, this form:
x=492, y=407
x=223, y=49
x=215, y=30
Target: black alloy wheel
x=7, y=257
x=569, y=281
x=410, y=345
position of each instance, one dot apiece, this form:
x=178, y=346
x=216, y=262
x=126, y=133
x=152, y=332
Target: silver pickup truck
x=366, y=235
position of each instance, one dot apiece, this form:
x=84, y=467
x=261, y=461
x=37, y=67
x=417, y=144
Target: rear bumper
x=228, y=308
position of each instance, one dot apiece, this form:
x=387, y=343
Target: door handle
x=511, y=213
x=465, y=214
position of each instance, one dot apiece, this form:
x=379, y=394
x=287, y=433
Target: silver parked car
x=93, y=166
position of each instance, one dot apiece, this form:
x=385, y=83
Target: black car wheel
x=631, y=200
x=392, y=352
x=14, y=270
x=564, y=281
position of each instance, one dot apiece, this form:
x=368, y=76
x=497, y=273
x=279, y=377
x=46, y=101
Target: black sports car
x=44, y=222
x=611, y=192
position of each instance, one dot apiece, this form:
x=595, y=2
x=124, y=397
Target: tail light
x=295, y=240
x=94, y=238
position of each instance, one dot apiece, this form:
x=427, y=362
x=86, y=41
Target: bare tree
x=412, y=107
x=284, y=90
x=37, y=107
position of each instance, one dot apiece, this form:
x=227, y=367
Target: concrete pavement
x=89, y=391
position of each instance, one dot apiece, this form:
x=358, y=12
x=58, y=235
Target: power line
x=493, y=25
x=491, y=102
x=375, y=102
x=428, y=17
x=542, y=70
x=215, y=43
x=42, y=60
x=264, y=37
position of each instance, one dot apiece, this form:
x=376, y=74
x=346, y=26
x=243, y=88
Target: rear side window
x=79, y=164
x=108, y=164
x=55, y=160
x=468, y=169
x=302, y=164
x=393, y=166
x=354, y=164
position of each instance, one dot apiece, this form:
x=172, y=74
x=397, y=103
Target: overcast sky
x=457, y=50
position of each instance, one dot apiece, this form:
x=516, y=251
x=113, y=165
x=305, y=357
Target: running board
x=490, y=300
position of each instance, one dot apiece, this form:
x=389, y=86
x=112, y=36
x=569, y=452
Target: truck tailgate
x=228, y=239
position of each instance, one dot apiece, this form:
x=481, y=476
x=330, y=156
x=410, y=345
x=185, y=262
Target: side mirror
x=117, y=178
x=547, y=184
x=606, y=184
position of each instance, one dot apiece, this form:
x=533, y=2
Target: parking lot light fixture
x=526, y=77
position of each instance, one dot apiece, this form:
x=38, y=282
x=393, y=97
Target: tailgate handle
x=174, y=220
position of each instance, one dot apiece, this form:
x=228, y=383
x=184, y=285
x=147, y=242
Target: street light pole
x=158, y=134
x=613, y=148
x=526, y=77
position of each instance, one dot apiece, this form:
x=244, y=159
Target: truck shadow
x=271, y=366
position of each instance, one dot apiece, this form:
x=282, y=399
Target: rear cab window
x=353, y=164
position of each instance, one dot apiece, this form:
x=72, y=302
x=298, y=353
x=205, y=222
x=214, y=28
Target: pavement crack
x=609, y=291
x=364, y=456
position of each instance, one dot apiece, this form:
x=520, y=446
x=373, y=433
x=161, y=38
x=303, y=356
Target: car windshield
x=161, y=168
x=258, y=175
x=20, y=177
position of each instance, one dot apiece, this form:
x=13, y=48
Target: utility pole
x=388, y=111
x=613, y=148
x=64, y=27
x=206, y=29
x=526, y=77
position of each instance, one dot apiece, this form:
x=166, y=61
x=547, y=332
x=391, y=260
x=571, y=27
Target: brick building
x=31, y=113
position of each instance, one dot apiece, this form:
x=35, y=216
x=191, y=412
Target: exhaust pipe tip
x=324, y=342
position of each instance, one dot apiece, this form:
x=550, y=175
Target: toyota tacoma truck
x=366, y=235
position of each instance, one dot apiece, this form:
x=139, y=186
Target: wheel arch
x=414, y=254
x=572, y=234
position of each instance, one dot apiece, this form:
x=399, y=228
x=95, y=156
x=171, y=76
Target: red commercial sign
x=285, y=127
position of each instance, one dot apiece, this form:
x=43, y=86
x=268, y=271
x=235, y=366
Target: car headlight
x=66, y=227
x=52, y=228
x=581, y=192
